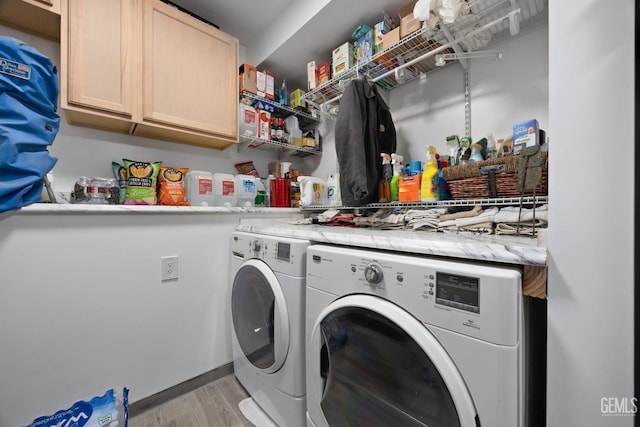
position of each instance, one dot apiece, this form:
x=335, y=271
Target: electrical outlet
x=169, y=268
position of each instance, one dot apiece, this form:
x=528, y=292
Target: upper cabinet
x=39, y=17
x=146, y=68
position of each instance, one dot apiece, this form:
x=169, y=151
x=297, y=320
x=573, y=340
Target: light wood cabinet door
x=100, y=48
x=189, y=73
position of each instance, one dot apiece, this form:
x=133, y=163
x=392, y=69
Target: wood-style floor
x=213, y=405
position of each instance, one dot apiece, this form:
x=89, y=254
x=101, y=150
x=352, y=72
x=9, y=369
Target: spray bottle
x=396, y=164
x=429, y=182
x=384, y=188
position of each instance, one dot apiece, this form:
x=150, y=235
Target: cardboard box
x=341, y=59
x=270, y=88
x=525, y=134
x=379, y=30
x=248, y=78
x=295, y=99
x=264, y=125
x=364, y=47
x=323, y=73
x=311, y=75
x=248, y=121
x=408, y=24
x=390, y=38
x=261, y=79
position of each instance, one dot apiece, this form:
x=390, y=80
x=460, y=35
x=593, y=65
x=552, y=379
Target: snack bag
x=110, y=410
x=120, y=173
x=171, y=189
x=142, y=180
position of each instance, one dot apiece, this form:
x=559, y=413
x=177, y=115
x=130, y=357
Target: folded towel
x=480, y=228
x=526, y=228
x=509, y=214
x=477, y=209
x=485, y=216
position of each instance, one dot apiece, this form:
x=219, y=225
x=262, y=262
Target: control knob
x=373, y=273
x=255, y=245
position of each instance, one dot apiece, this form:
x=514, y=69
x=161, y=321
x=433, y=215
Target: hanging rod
x=512, y=16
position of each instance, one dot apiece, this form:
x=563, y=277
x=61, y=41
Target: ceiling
x=243, y=19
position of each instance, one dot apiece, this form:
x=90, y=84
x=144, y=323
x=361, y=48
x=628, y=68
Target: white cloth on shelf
x=509, y=214
x=486, y=215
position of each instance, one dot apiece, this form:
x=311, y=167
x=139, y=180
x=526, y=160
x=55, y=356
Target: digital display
x=458, y=291
x=283, y=251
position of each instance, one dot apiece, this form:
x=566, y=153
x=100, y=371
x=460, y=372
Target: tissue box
x=295, y=99
x=525, y=134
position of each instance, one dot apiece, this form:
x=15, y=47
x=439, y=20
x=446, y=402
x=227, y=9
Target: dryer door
x=373, y=364
x=259, y=316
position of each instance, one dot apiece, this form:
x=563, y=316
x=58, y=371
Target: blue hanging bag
x=28, y=122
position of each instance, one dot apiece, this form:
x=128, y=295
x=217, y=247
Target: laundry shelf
x=293, y=150
x=502, y=201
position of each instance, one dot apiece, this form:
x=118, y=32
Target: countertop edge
x=54, y=209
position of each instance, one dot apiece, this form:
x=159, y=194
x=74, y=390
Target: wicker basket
x=469, y=182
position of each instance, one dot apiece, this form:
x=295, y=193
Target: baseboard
x=159, y=398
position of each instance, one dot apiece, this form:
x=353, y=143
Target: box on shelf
x=390, y=38
x=264, y=125
x=270, y=85
x=364, y=47
x=525, y=134
x=342, y=59
x=408, y=24
x=248, y=78
x=296, y=100
x=311, y=75
x=248, y=121
x=379, y=30
x=323, y=73
x=261, y=83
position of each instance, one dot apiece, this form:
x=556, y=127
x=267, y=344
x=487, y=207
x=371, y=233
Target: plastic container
x=224, y=189
x=246, y=191
x=199, y=186
x=313, y=191
x=280, y=193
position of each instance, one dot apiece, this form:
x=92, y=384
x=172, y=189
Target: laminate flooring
x=212, y=405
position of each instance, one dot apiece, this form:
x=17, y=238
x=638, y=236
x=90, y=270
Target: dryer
x=267, y=312
x=409, y=340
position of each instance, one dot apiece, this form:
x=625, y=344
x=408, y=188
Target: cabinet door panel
x=102, y=50
x=189, y=72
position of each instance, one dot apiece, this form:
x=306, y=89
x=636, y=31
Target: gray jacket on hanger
x=364, y=129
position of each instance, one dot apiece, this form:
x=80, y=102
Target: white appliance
x=407, y=340
x=267, y=311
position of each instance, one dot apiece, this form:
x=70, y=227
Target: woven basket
x=468, y=182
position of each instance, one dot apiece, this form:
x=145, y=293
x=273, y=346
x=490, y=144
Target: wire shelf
x=505, y=201
x=293, y=150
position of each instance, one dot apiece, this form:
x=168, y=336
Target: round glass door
x=379, y=366
x=259, y=316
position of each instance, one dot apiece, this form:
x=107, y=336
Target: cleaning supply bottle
x=429, y=182
x=396, y=165
x=332, y=190
x=384, y=188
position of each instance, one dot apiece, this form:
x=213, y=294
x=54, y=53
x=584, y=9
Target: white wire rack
x=414, y=55
x=506, y=201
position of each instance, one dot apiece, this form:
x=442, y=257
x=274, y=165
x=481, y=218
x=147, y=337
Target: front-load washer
x=408, y=340
x=267, y=312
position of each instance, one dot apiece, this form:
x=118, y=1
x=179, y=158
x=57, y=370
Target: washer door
x=259, y=316
x=373, y=364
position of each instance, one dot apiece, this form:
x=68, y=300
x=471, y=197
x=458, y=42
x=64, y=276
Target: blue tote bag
x=28, y=122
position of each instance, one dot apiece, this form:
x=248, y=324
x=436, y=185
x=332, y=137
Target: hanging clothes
x=364, y=129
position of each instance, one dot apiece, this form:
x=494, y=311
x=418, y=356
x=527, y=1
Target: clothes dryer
x=267, y=311
x=403, y=340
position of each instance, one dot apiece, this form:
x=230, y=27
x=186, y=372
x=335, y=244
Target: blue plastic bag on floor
x=110, y=410
x=28, y=122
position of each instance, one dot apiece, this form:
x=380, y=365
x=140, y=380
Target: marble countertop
x=504, y=249
x=67, y=208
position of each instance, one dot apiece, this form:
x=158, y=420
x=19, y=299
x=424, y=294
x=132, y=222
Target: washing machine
x=408, y=340
x=268, y=323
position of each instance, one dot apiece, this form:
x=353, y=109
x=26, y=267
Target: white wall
x=591, y=281
x=83, y=309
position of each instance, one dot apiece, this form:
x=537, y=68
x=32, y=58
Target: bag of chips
x=142, y=178
x=171, y=189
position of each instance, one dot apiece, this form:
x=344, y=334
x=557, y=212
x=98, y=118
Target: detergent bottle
x=429, y=182
x=384, y=189
x=396, y=165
